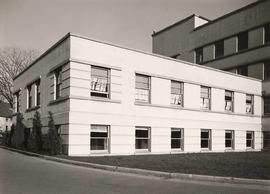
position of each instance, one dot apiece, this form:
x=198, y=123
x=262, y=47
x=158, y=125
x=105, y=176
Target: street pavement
x=25, y=174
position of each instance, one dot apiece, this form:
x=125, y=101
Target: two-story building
x=237, y=42
x=108, y=99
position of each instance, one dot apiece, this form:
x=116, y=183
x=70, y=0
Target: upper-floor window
x=242, y=41
x=100, y=82
x=17, y=101
x=199, y=56
x=228, y=100
x=267, y=33
x=37, y=92
x=29, y=96
x=177, y=93
x=205, y=97
x=266, y=100
x=249, y=103
x=58, y=82
x=266, y=70
x=243, y=70
x=142, y=86
x=219, y=49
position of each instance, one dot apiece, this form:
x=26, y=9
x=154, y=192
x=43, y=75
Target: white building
x=108, y=99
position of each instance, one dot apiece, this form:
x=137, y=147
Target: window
x=177, y=139
x=206, y=139
x=266, y=100
x=17, y=101
x=242, y=70
x=267, y=33
x=58, y=82
x=142, y=88
x=267, y=70
x=29, y=96
x=177, y=93
x=266, y=139
x=142, y=136
x=99, y=137
x=229, y=139
x=242, y=41
x=205, y=97
x=229, y=101
x=249, y=103
x=199, y=55
x=100, y=83
x=250, y=139
x=219, y=49
x=58, y=129
x=37, y=93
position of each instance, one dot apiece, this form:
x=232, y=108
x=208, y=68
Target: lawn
x=254, y=165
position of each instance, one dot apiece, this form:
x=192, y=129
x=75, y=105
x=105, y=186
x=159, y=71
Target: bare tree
x=12, y=61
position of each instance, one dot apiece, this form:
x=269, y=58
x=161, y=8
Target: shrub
x=17, y=139
x=35, y=138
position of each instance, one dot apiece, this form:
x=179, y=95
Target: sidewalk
x=168, y=175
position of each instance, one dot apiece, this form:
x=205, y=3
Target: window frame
x=232, y=139
x=242, y=41
x=29, y=97
x=180, y=95
x=58, y=83
x=97, y=93
x=266, y=31
x=37, y=93
x=148, y=89
x=251, y=104
x=181, y=139
x=107, y=138
x=266, y=70
x=199, y=55
x=266, y=105
x=252, y=142
x=202, y=98
x=17, y=101
x=148, y=138
x=209, y=139
x=218, y=49
x=232, y=101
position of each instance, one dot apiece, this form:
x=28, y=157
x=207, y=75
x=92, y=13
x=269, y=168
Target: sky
x=38, y=24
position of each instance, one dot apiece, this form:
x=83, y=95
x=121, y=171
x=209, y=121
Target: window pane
x=204, y=144
x=243, y=41
x=141, y=144
x=249, y=143
x=141, y=133
x=199, y=55
x=228, y=143
x=267, y=33
x=175, y=143
x=249, y=135
x=142, y=81
x=99, y=144
x=99, y=134
x=142, y=95
x=219, y=49
x=175, y=134
x=267, y=70
x=266, y=105
x=204, y=134
x=228, y=135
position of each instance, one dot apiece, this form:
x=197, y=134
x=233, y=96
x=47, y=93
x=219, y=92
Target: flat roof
x=134, y=50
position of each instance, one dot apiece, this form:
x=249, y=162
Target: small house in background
x=5, y=116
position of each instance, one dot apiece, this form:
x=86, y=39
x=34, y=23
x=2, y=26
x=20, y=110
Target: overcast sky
x=39, y=24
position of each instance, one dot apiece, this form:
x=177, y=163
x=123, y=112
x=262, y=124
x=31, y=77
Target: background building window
x=177, y=93
x=199, y=55
x=266, y=139
x=17, y=101
x=58, y=82
x=29, y=96
x=267, y=33
x=206, y=139
x=249, y=103
x=250, y=139
x=99, y=137
x=142, y=88
x=229, y=139
x=142, y=136
x=219, y=49
x=266, y=100
x=100, y=82
x=205, y=97
x=228, y=100
x=267, y=70
x=177, y=137
x=242, y=41
x=243, y=70
x=38, y=93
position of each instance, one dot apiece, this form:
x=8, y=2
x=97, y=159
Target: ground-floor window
x=266, y=139
x=99, y=139
x=206, y=139
x=250, y=139
x=177, y=137
x=229, y=139
x=142, y=136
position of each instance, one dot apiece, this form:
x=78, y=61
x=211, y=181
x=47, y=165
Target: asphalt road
x=25, y=174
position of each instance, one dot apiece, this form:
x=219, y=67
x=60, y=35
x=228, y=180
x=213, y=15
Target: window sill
x=100, y=99
x=141, y=151
x=59, y=100
x=99, y=152
x=33, y=108
x=177, y=150
x=229, y=150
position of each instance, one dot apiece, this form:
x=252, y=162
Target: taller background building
x=238, y=42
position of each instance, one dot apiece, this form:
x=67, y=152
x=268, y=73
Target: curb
x=168, y=175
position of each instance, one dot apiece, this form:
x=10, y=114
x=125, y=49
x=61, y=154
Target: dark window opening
x=243, y=41
x=199, y=55
x=219, y=49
